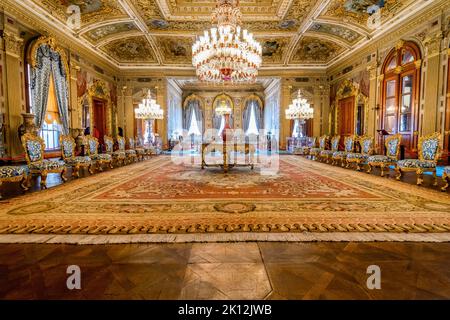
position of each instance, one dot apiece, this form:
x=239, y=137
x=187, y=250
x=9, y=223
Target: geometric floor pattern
x=226, y=271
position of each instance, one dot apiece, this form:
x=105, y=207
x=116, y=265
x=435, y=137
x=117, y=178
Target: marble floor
x=226, y=271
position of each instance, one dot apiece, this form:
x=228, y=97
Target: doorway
x=346, y=118
x=99, y=129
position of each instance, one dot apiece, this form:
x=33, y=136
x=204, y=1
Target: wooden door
x=99, y=120
x=346, y=118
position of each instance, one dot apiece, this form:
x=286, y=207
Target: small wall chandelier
x=227, y=54
x=299, y=109
x=149, y=109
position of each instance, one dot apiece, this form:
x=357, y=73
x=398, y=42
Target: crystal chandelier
x=299, y=109
x=227, y=54
x=223, y=108
x=149, y=109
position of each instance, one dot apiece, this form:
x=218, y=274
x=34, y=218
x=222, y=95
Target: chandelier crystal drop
x=226, y=53
x=299, y=109
x=149, y=109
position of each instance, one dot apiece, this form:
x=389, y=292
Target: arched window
x=193, y=116
x=252, y=116
x=48, y=90
x=400, y=93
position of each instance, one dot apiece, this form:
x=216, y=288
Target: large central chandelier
x=227, y=54
x=149, y=109
x=299, y=109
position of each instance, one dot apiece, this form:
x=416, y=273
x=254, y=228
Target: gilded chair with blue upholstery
x=392, y=144
x=304, y=150
x=118, y=156
x=367, y=147
x=14, y=174
x=446, y=178
x=98, y=158
x=315, y=152
x=130, y=155
x=349, y=147
x=71, y=159
x=139, y=151
x=34, y=153
x=429, y=152
x=325, y=155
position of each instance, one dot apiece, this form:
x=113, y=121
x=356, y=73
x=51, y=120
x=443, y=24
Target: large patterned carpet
x=160, y=197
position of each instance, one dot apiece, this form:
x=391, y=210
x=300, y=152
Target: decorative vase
x=28, y=125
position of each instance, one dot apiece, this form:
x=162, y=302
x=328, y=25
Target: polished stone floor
x=226, y=271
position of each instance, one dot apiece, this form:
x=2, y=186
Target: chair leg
x=24, y=182
x=419, y=174
x=91, y=168
x=435, y=183
x=399, y=173
x=358, y=167
x=369, y=168
x=44, y=180
x=63, y=174
x=76, y=171
x=382, y=167
x=111, y=164
x=446, y=181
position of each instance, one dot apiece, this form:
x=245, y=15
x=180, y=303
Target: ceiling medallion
x=227, y=54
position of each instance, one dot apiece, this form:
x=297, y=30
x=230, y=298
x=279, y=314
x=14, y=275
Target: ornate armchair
x=68, y=154
x=118, y=156
x=149, y=149
x=367, y=146
x=392, y=144
x=315, y=152
x=327, y=154
x=130, y=154
x=98, y=158
x=429, y=151
x=14, y=174
x=446, y=178
x=349, y=146
x=34, y=153
x=304, y=150
x=140, y=152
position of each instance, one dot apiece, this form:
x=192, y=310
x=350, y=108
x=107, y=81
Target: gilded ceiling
x=161, y=32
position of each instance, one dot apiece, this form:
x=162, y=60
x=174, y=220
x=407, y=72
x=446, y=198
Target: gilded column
x=373, y=101
x=121, y=106
x=285, y=124
x=128, y=108
x=13, y=45
x=161, y=125
x=431, y=83
x=75, y=105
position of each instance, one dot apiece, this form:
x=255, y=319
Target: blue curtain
x=192, y=107
x=247, y=113
x=49, y=62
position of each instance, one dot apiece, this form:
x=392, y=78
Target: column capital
x=13, y=44
x=432, y=44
